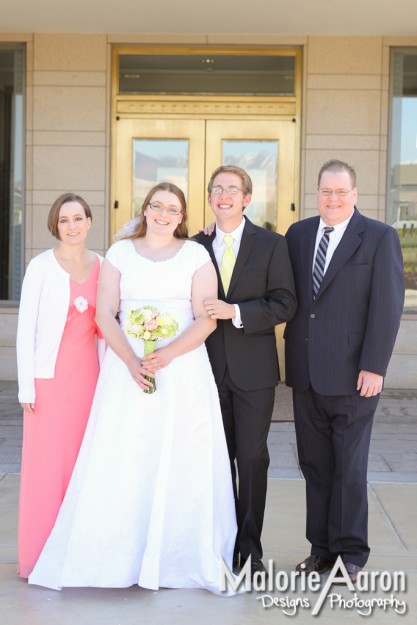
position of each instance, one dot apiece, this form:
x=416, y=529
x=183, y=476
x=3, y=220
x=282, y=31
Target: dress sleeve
x=201, y=255
x=114, y=254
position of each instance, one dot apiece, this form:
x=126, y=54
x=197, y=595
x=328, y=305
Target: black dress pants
x=247, y=418
x=333, y=438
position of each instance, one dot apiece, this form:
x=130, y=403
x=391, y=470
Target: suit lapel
x=348, y=245
x=307, y=243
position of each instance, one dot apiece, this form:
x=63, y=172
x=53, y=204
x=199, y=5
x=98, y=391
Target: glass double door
x=186, y=152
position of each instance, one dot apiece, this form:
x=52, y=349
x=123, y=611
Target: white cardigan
x=43, y=313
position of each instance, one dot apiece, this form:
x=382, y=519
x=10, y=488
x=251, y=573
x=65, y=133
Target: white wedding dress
x=150, y=501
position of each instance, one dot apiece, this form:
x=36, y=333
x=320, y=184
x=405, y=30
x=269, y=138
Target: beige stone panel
x=383, y=143
x=41, y=237
x=349, y=142
x=310, y=201
x=365, y=162
x=47, y=197
x=386, y=60
x=347, y=55
x=29, y=64
x=382, y=189
x=29, y=139
x=64, y=168
x=70, y=79
x=382, y=207
x=341, y=81
x=367, y=201
x=70, y=52
x=28, y=222
x=69, y=138
x=310, y=212
x=69, y=108
x=343, y=112
x=29, y=162
x=96, y=237
x=8, y=365
x=29, y=108
x=384, y=122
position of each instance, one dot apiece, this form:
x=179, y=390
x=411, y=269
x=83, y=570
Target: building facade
x=350, y=97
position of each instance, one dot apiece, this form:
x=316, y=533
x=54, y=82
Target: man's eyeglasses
x=337, y=192
x=170, y=210
x=222, y=191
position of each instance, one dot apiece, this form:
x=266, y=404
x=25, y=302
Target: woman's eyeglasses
x=170, y=210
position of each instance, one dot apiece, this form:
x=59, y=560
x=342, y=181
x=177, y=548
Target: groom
x=256, y=292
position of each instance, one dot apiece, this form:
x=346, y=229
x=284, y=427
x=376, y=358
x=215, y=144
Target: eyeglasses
x=170, y=210
x=228, y=191
x=337, y=192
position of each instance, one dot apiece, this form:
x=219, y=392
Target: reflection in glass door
x=260, y=160
x=266, y=150
x=156, y=160
x=149, y=151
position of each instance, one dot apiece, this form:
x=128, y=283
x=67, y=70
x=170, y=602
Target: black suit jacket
x=262, y=284
x=353, y=323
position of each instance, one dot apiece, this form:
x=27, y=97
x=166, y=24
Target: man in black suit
x=349, y=277
x=256, y=292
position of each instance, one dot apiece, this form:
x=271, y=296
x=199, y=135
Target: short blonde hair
x=232, y=169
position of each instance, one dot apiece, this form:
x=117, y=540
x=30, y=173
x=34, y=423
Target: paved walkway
x=392, y=528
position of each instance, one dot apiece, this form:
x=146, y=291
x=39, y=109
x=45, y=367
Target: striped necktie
x=320, y=260
x=228, y=262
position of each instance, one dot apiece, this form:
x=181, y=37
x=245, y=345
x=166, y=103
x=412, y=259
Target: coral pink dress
x=52, y=436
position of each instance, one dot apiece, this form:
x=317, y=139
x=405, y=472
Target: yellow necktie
x=228, y=262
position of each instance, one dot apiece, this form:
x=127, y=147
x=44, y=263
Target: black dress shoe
x=316, y=564
x=352, y=570
x=256, y=566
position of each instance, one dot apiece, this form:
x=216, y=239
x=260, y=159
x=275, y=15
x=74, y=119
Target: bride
x=150, y=501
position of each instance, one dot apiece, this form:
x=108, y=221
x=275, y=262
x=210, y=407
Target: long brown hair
x=181, y=231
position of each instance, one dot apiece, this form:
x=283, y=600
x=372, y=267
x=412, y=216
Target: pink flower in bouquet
x=150, y=325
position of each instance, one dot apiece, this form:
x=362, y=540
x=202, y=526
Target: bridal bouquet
x=149, y=324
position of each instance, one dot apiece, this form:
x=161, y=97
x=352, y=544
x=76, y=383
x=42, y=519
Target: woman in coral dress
x=150, y=501
x=57, y=370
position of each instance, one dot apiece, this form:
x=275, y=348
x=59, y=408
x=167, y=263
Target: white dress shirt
x=219, y=248
x=334, y=239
